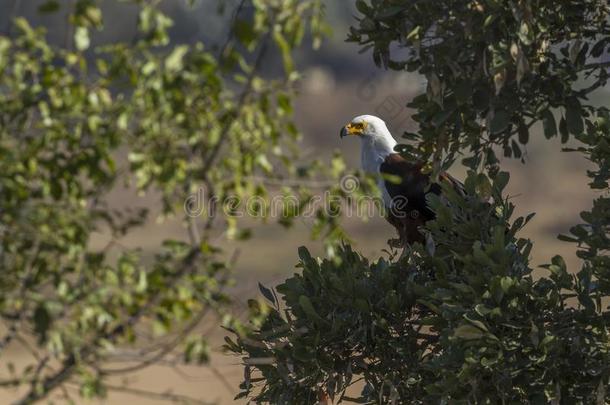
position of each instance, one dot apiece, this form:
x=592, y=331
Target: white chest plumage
x=374, y=151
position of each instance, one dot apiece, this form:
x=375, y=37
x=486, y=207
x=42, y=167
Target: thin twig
x=28, y=347
x=11, y=16
x=41, y=365
x=168, y=348
x=226, y=383
x=231, y=33
x=224, y=133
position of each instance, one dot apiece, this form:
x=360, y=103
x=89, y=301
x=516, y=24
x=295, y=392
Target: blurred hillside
x=338, y=83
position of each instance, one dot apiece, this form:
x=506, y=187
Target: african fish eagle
x=403, y=185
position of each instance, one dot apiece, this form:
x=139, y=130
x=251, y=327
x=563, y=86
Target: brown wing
x=414, y=185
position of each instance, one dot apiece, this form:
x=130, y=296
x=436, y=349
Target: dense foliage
x=79, y=117
x=462, y=320
x=494, y=68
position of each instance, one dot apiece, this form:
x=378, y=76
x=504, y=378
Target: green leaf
x=414, y=34
x=506, y=283
x=468, y=332
x=142, y=282
x=525, y=33
x=566, y=238
x=524, y=133
x=549, y=124
x=483, y=186
x=304, y=255
x=309, y=310
x=81, y=38
x=285, y=50
x=563, y=129
x=362, y=7
x=499, y=122
x=267, y=293
x=516, y=149
x=501, y=181
x=599, y=48
x=574, y=119
x=442, y=116
x=477, y=323
x=174, y=61
x=244, y=32
x=48, y=7
x=42, y=322
x=482, y=310
x=390, y=12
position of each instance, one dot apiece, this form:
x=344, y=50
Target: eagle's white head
x=377, y=141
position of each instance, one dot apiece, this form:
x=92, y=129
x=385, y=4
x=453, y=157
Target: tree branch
x=231, y=33
x=224, y=133
x=69, y=364
x=165, y=350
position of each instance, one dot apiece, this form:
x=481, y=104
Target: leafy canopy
x=80, y=117
x=461, y=320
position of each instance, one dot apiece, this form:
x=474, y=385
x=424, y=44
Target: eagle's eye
x=358, y=125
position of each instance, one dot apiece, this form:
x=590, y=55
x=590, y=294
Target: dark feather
x=414, y=185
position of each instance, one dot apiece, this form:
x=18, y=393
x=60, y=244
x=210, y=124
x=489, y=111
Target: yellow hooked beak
x=352, y=129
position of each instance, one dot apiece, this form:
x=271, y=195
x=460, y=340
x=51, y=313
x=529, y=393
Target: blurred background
x=338, y=83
